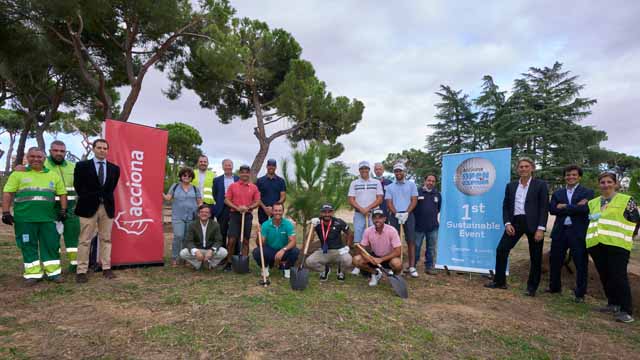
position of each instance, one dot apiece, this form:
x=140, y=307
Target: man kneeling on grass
x=279, y=236
x=203, y=241
x=333, y=250
x=383, y=244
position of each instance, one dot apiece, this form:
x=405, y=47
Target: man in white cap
x=402, y=198
x=365, y=194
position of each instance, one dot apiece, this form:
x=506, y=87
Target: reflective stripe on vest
x=609, y=227
x=34, y=198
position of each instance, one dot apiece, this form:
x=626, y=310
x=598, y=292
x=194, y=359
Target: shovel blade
x=240, y=264
x=299, y=279
x=399, y=286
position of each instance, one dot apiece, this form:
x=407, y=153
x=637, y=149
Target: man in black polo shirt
x=272, y=191
x=333, y=249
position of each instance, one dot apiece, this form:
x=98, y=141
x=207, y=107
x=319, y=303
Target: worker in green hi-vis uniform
x=56, y=162
x=35, y=190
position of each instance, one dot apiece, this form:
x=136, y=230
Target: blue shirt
x=427, y=209
x=184, y=203
x=270, y=189
x=277, y=237
x=567, y=220
x=400, y=194
x=96, y=163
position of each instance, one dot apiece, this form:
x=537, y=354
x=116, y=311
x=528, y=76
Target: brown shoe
x=31, y=282
x=108, y=274
x=57, y=280
x=81, y=278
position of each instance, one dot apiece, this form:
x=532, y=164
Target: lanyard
x=325, y=235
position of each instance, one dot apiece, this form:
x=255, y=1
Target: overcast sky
x=393, y=56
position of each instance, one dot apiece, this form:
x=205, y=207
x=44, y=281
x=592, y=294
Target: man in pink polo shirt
x=383, y=244
x=241, y=197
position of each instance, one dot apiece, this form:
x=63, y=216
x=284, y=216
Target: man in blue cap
x=272, y=191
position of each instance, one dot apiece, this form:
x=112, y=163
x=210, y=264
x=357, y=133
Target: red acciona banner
x=140, y=152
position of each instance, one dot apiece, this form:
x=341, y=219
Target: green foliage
x=418, y=163
x=634, y=185
x=314, y=182
x=182, y=147
x=255, y=71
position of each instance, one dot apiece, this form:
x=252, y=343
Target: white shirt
x=567, y=220
x=521, y=198
x=204, y=233
x=201, y=176
x=227, y=182
x=365, y=191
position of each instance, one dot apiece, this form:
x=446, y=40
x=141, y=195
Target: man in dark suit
x=94, y=181
x=524, y=212
x=569, y=205
x=203, y=243
x=220, y=210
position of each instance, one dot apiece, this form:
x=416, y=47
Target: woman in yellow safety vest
x=613, y=217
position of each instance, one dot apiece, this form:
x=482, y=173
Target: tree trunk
x=12, y=140
x=24, y=134
x=259, y=159
x=40, y=137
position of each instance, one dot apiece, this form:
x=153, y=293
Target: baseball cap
x=364, y=164
x=399, y=166
x=377, y=211
x=244, y=167
x=271, y=162
x=326, y=207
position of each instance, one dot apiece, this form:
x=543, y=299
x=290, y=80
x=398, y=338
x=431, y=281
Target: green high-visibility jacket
x=207, y=188
x=609, y=227
x=65, y=170
x=35, y=193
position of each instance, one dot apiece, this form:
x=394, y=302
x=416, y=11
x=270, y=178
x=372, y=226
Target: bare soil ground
x=177, y=313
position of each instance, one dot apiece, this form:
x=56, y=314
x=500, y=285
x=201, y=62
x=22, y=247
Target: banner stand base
x=137, y=265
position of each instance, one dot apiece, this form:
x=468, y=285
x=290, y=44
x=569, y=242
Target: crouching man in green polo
x=35, y=192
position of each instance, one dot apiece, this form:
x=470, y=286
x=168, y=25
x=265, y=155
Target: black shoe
x=227, y=268
x=57, y=279
x=579, y=300
x=609, y=309
x=494, y=285
x=531, y=293
x=108, y=274
x=31, y=282
x=81, y=278
x=324, y=276
x=549, y=291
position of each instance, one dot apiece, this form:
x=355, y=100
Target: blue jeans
x=179, y=232
x=359, y=224
x=431, y=248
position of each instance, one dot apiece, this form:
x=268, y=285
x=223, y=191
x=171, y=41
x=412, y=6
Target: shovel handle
x=264, y=276
x=401, y=250
x=308, y=241
x=242, y=228
x=366, y=253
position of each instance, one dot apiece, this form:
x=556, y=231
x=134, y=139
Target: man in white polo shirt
x=365, y=194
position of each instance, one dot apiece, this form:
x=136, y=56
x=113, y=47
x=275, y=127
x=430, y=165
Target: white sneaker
x=287, y=273
x=375, y=278
x=413, y=272
x=355, y=271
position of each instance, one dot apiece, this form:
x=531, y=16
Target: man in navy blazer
x=220, y=186
x=524, y=212
x=569, y=205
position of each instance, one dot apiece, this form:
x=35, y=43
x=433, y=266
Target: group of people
x=52, y=197
x=601, y=226
x=212, y=221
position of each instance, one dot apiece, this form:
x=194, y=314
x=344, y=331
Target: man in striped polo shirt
x=365, y=194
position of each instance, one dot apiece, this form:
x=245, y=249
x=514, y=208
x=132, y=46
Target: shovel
x=397, y=283
x=401, y=249
x=300, y=276
x=240, y=263
x=264, y=281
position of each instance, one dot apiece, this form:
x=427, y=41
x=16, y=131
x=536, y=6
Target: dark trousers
x=288, y=260
x=535, y=254
x=262, y=216
x=569, y=240
x=223, y=221
x=611, y=263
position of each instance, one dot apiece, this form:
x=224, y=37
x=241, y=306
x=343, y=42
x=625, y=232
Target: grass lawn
x=169, y=313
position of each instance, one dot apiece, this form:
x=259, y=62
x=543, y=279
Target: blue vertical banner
x=471, y=215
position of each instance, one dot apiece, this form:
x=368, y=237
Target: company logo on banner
x=471, y=217
x=140, y=152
